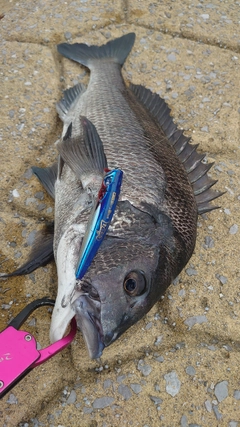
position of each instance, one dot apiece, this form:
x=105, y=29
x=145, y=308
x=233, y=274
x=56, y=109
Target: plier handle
x=18, y=349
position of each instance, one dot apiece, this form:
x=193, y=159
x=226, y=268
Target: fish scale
x=116, y=123
x=153, y=231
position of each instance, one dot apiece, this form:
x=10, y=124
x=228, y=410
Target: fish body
x=165, y=186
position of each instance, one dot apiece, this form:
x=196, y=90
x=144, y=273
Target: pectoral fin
x=47, y=177
x=41, y=254
x=84, y=154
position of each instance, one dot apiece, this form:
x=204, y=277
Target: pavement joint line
x=174, y=34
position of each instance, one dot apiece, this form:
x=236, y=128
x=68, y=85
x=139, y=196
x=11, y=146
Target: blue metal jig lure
x=99, y=220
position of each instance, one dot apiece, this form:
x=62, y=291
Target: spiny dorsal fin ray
x=206, y=196
x=193, y=160
x=180, y=142
x=83, y=154
x=206, y=207
x=47, y=177
x=70, y=97
x=187, y=153
x=41, y=253
x=200, y=170
x=203, y=184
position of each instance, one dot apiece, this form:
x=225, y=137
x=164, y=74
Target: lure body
x=100, y=220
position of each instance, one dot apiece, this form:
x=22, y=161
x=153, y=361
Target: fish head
x=126, y=278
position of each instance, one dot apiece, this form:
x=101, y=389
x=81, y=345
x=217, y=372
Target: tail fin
x=117, y=50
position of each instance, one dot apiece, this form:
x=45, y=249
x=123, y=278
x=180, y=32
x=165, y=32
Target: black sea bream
x=153, y=231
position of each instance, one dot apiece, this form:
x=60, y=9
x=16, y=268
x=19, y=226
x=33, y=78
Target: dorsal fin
x=186, y=152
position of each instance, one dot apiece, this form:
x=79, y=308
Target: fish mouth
x=87, y=316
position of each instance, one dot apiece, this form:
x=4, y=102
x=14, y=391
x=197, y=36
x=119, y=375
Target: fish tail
x=117, y=50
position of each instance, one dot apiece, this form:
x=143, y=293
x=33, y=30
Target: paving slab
x=179, y=366
x=214, y=22
x=30, y=89
x=44, y=22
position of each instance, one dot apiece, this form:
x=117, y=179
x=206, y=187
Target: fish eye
x=134, y=283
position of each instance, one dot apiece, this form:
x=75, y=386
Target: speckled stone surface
x=179, y=366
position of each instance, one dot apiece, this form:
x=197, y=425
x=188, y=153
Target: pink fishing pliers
x=18, y=349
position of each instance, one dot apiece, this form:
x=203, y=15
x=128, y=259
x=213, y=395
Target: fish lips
x=87, y=316
x=99, y=326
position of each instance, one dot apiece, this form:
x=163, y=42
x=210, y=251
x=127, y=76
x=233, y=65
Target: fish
x=165, y=186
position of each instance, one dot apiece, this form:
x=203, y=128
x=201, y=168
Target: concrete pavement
x=179, y=366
